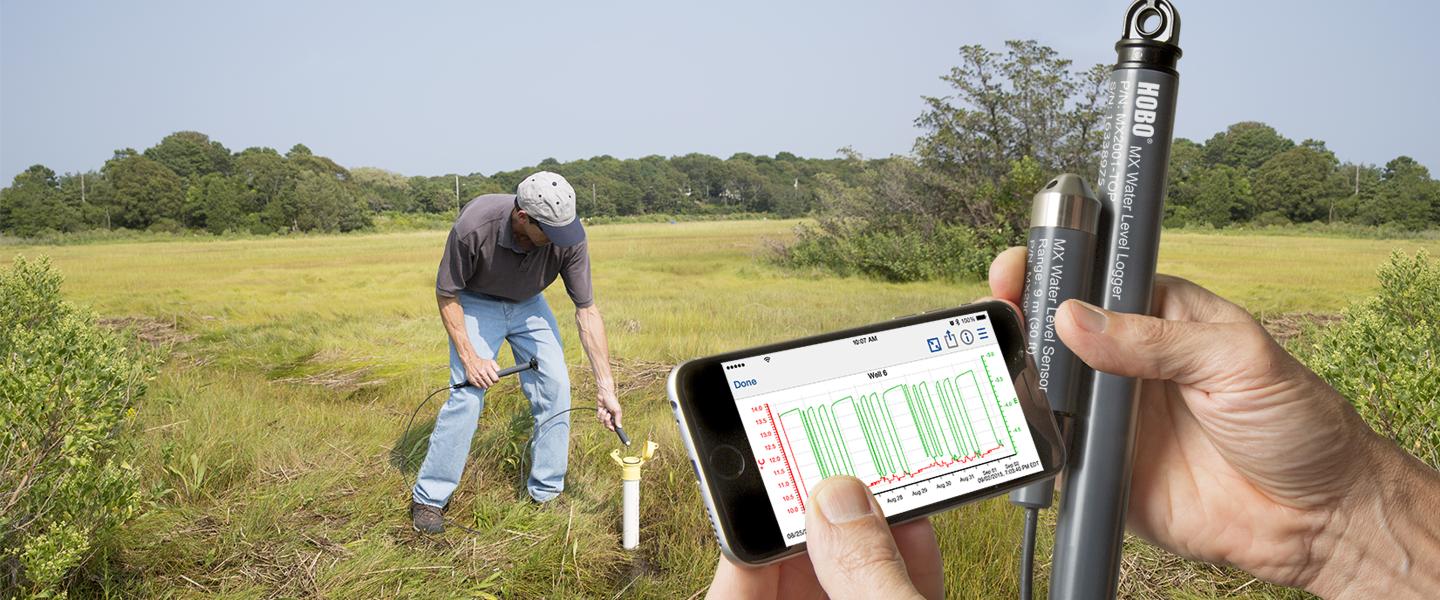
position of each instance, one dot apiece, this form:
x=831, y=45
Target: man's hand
x=853, y=553
x=1246, y=457
x=607, y=407
x=481, y=372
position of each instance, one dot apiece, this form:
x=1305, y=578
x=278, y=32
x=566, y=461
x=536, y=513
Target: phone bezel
x=708, y=418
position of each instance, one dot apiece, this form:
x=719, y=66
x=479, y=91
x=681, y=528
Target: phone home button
x=727, y=462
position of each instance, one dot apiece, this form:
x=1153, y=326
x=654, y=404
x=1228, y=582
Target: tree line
x=1017, y=116
x=188, y=181
x=1251, y=173
x=1014, y=118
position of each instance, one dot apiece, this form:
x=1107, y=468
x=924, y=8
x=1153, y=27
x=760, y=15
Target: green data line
x=996, y=396
x=932, y=419
x=837, y=448
x=844, y=447
x=947, y=407
x=957, y=448
x=817, y=420
x=826, y=451
x=965, y=414
x=939, y=426
x=919, y=422
x=831, y=450
x=835, y=408
x=816, y=450
x=810, y=436
x=962, y=430
x=822, y=454
x=966, y=433
x=927, y=432
x=894, y=431
x=833, y=445
x=827, y=445
x=983, y=405
x=886, y=455
x=892, y=463
x=864, y=430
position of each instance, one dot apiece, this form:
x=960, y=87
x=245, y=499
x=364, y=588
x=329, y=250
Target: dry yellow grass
x=271, y=438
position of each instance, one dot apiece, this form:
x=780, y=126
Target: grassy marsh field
x=271, y=437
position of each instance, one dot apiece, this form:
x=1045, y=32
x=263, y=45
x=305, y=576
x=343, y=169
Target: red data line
x=938, y=463
x=784, y=455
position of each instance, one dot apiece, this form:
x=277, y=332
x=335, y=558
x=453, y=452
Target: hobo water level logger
x=1063, y=219
x=1138, y=125
x=1061, y=251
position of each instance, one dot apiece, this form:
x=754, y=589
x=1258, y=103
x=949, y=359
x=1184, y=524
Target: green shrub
x=905, y=254
x=1385, y=355
x=66, y=398
x=165, y=225
x=1273, y=218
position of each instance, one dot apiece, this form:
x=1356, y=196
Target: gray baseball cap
x=550, y=201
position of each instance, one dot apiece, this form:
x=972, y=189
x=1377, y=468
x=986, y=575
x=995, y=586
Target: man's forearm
x=596, y=345
x=453, y=316
x=1386, y=541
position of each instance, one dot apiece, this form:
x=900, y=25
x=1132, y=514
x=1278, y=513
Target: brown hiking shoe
x=426, y=519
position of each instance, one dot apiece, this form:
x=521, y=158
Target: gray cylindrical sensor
x=1090, y=529
x=1064, y=217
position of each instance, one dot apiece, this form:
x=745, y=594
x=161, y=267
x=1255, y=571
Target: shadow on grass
x=409, y=448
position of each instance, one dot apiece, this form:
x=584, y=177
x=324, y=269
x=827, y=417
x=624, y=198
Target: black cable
x=519, y=366
x=524, y=459
x=1027, y=552
x=406, y=436
x=539, y=430
x=411, y=421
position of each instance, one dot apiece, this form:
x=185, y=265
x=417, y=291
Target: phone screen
x=921, y=413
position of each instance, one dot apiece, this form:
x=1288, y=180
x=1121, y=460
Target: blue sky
x=439, y=87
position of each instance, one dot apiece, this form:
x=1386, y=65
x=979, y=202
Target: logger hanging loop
x=1154, y=20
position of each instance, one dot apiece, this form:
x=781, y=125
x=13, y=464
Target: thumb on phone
x=851, y=546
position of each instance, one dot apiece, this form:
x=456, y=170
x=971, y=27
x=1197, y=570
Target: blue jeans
x=530, y=328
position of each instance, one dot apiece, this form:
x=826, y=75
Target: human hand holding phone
x=929, y=411
x=854, y=553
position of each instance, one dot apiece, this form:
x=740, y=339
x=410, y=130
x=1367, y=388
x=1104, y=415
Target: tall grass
x=271, y=441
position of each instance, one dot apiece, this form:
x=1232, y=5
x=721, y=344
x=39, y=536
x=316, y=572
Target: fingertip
x=1075, y=337
x=1007, y=274
x=842, y=499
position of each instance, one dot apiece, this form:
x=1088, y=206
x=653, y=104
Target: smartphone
x=931, y=411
